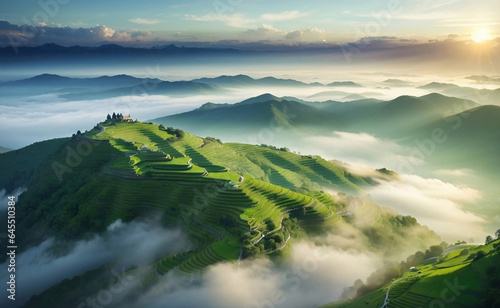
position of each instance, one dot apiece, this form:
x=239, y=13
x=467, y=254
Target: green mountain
x=251, y=116
x=233, y=201
x=22, y=163
x=470, y=139
x=408, y=112
x=463, y=276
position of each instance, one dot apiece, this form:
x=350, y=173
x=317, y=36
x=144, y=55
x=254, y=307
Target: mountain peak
x=437, y=86
x=266, y=97
x=344, y=84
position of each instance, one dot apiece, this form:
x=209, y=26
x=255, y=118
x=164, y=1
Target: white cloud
x=437, y=204
x=455, y=172
x=312, y=35
x=81, y=36
x=359, y=149
x=4, y=200
x=106, y=32
x=311, y=276
x=287, y=15
x=124, y=243
x=143, y=21
x=266, y=32
x=235, y=20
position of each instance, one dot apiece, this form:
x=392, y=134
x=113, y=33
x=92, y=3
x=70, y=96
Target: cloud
x=358, y=149
x=36, y=35
x=235, y=20
x=312, y=275
x=266, y=32
x=314, y=34
x=441, y=206
x=4, y=197
x=39, y=267
x=287, y=15
x=143, y=21
x=455, y=172
x=294, y=35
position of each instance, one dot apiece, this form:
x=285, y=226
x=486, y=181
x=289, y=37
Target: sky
x=279, y=22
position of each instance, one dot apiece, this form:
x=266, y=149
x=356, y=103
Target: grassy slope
x=412, y=289
x=18, y=165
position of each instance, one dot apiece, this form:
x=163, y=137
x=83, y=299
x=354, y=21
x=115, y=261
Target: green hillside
x=465, y=277
x=20, y=164
x=234, y=201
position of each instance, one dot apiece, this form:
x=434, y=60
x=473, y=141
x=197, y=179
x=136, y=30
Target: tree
x=479, y=255
x=108, y=117
x=497, y=234
x=489, y=239
x=436, y=250
x=114, y=116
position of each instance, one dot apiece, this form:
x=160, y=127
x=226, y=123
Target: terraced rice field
x=187, y=177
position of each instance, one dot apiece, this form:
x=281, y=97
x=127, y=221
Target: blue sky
x=258, y=20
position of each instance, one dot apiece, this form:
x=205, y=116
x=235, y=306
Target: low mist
x=312, y=275
x=124, y=244
x=442, y=206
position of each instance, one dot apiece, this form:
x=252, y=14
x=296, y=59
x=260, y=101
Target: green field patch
x=226, y=251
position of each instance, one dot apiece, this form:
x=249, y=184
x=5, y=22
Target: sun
x=480, y=36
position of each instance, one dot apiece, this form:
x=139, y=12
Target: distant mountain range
x=119, y=85
x=407, y=113
x=265, y=111
x=111, y=50
x=175, y=88
x=58, y=82
x=484, y=79
x=482, y=96
x=243, y=81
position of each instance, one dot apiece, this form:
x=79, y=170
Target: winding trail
x=286, y=242
x=386, y=301
x=102, y=130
